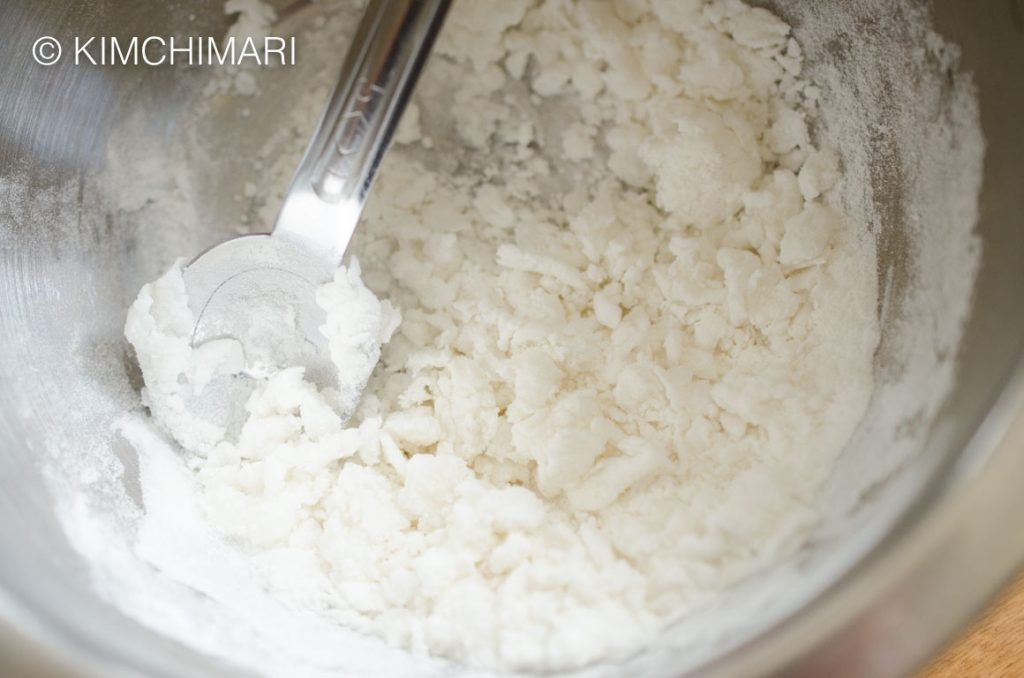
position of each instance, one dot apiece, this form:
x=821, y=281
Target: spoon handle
x=331, y=185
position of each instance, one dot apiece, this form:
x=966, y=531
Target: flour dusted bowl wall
x=926, y=483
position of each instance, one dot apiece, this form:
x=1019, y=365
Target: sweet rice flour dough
x=628, y=353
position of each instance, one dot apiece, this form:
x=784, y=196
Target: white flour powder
x=632, y=345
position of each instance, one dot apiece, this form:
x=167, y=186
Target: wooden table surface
x=994, y=646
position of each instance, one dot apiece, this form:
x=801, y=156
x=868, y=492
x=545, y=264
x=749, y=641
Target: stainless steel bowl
x=917, y=551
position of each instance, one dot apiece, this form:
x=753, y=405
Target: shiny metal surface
x=332, y=183
x=69, y=268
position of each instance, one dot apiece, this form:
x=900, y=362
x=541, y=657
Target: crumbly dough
x=160, y=326
x=609, y=397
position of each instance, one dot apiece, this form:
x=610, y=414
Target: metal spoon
x=279, y=272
